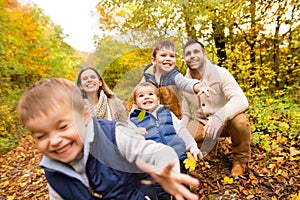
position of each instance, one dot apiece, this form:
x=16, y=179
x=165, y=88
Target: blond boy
x=84, y=158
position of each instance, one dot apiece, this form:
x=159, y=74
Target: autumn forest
x=256, y=40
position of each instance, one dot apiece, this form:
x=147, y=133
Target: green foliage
x=127, y=82
x=258, y=41
x=31, y=48
x=9, y=127
x=275, y=119
x=108, y=50
x=125, y=64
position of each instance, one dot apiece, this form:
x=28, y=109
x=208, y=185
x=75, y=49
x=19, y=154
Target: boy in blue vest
x=85, y=158
x=163, y=73
x=161, y=125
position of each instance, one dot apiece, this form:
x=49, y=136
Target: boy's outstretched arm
x=170, y=181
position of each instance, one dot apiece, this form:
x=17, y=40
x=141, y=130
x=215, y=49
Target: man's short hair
x=193, y=41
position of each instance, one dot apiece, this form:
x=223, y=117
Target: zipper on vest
x=94, y=194
x=157, y=123
x=153, y=82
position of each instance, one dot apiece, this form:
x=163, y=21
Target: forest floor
x=267, y=177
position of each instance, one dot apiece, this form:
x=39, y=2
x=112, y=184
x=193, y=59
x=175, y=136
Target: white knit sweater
x=226, y=98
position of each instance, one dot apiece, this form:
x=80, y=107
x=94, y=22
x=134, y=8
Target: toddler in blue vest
x=161, y=125
x=85, y=158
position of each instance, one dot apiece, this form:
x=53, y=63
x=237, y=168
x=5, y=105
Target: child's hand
x=171, y=182
x=205, y=87
x=141, y=131
x=202, y=88
x=197, y=154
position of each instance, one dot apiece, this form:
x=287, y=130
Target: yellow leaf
x=228, y=180
x=40, y=171
x=4, y=184
x=284, y=124
x=11, y=197
x=141, y=115
x=294, y=151
x=190, y=162
x=22, y=184
x=235, y=190
x=278, y=158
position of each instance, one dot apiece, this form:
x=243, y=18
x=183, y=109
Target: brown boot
x=238, y=168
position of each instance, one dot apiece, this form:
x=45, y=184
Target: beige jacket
x=226, y=98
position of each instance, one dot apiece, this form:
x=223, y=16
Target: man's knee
x=240, y=123
x=196, y=129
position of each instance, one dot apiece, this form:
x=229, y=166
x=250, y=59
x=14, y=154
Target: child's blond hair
x=46, y=95
x=141, y=85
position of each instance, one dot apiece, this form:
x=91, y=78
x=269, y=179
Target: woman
x=103, y=103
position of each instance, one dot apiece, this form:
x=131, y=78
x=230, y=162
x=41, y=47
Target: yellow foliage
x=295, y=196
x=284, y=124
x=4, y=184
x=294, y=151
x=121, y=13
x=227, y=180
x=11, y=197
x=190, y=162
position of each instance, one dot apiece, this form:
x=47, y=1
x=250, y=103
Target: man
x=218, y=109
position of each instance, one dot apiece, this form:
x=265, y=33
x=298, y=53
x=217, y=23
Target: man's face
x=194, y=56
x=60, y=134
x=165, y=60
x=146, y=98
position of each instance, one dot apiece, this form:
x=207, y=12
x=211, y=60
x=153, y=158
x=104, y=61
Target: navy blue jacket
x=105, y=181
x=166, y=79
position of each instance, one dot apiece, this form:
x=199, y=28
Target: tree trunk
x=219, y=38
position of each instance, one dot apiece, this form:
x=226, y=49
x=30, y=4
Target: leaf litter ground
x=267, y=177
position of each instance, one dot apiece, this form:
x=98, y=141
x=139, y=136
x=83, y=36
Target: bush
x=275, y=118
x=10, y=127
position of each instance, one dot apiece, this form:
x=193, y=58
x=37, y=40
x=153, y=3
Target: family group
x=95, y=148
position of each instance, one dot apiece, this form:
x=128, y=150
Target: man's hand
x=171, y=182
x=212, y=127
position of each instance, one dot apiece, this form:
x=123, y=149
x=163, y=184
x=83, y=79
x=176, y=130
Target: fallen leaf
x=294, y=151
x=190, y=163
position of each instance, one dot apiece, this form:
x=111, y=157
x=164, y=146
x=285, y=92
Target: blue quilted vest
x=105, y=179
x=166, y=79
x=160, y=129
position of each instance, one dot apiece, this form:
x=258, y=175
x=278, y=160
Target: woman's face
x=90, y=81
